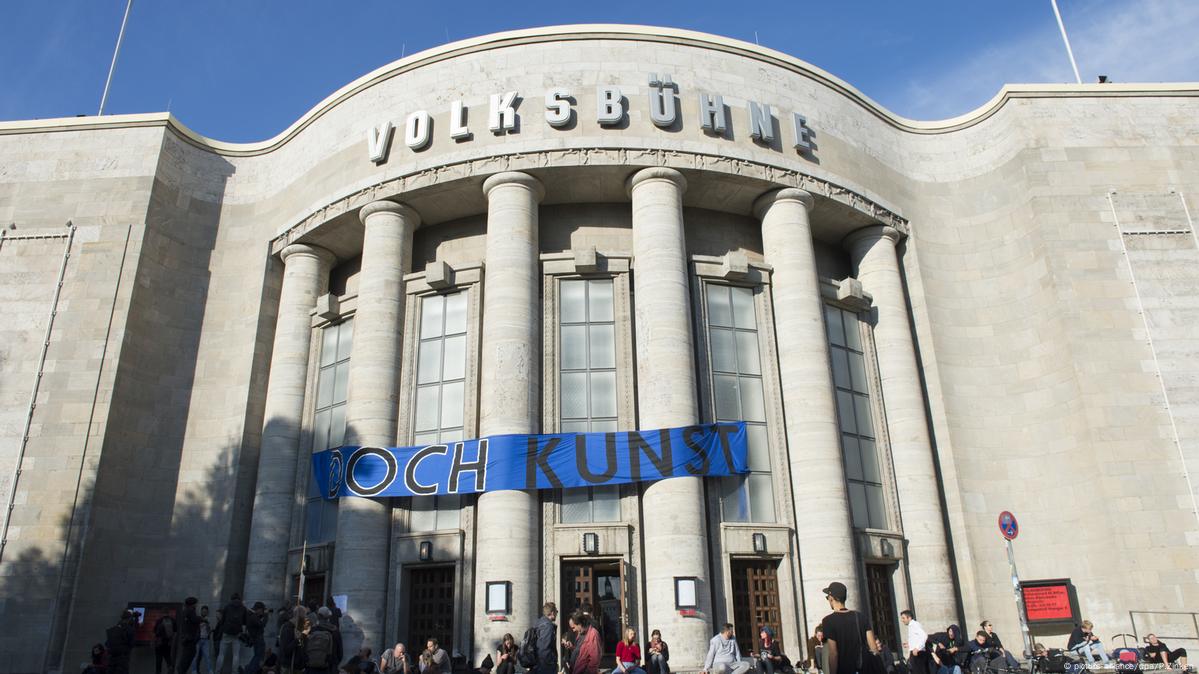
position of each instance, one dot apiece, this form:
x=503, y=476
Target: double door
x=755, y=601
x=598, y=588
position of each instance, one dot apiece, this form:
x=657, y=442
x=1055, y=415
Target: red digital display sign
x=1048, y=603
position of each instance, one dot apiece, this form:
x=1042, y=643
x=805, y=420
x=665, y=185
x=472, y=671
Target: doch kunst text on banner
x=533, y=462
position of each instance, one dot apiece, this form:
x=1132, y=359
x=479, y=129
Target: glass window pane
x=341, y=382
x=720, y=312
x=759, y=447
x=426, y=408
x=870, y=467
x=832, y=320
x=604, y=426
x=840, y=359
x=605, y=503
x=603, y=349
x=312, y=521
x=734, y=505
x=845, y=411
x=455, y=313
x=576, y=506
x=451, y=404
x=753, y=408
x=747, y=353
x=603, y=394
x=425, y=439
x=724, y=357
x=345, y=339
x=428, y=362
x=320, y=431
x=431, y=309
x=337, y=426
x=728, y=403
x=743, y=308
x=328, y=521
x=761, y=497
x=853, y=333
x=853, y=457
x=450, y=436
x=324, y=387
x=573, y=427
x=857, y=372
x=422, y=516
x=599, y=298
x=574, y=395
x=454, y=359
x=574, y=347
x=448, y=512
x=329, y=345
x=865, y=423
x=857, y=505
x=878, y=514
x=573, y=301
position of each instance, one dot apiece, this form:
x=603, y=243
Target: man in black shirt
x=1160, y=653
x=848, y=634
x=1084, y=642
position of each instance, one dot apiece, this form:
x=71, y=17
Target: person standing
x=256, y=623
x=1158, y=652
x=1084, y=642
x=657, y=659
x=628, y=653
x=322, y=645
x=164, y=643
x=189, y=635
x=916, y=647
x=233, y=623
x=203, y=646
x=585, y=653
x=848, y=635
x=724, y=655
x=119, y=642
x=547, y=631
x=291, y=658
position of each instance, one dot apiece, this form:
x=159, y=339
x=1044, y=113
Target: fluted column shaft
x=823, y=522
x=363, y=525
x=666, y=397
x=507, y=529
x=305, y=277
x=876, y=264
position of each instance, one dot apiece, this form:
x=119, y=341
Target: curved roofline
x=603, y=31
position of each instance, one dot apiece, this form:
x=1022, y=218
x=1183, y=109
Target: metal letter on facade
x=711, y=113
x=663, y=107
x=803, y=141
x=458, y=128
x=378, y=142
x=761, y=122
x=417, y=130
x=557, y=107
x=501, y=118
x=609, y=105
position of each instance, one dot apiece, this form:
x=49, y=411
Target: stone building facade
x=602, y=228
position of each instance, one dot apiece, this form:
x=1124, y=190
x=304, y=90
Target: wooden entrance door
x=431, y=607
x=756, y=601
x=880, y=592
x=599, y=588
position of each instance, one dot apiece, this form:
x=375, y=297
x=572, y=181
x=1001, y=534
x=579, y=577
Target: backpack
x=526, y=655
x=319, y=649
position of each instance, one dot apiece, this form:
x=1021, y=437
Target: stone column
x=305, y=277
x=360, y=557
x=876, y=265
x=675, y=526
x=507, y=526
x=823, y=522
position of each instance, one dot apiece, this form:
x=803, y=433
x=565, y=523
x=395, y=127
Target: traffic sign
x=1008, y=526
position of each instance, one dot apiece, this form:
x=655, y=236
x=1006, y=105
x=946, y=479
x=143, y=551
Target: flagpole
x=116, y=52
x=1065, y=39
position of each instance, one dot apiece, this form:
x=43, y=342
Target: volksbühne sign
x=611, y=108
x=551, y=461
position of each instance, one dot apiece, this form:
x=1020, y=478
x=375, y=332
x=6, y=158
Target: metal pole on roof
x=116, y=52
x=1066, y=39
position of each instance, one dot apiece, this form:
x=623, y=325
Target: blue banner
x=559, y=460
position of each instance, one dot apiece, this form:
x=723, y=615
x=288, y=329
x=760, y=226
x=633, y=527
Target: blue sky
x=243, y=70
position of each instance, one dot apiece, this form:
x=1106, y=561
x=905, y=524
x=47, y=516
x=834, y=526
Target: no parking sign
x=1008, y=526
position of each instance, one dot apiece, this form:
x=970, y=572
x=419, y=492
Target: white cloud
x=1129, y=41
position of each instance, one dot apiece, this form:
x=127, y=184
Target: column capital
x=387, y=206
x=322, y=256
x=514, y=178
x=656, y=173
x=764, y=202
x=866, y=236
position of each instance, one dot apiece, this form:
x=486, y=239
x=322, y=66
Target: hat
x=259, y=605
x=836, y=591
x=324, y=612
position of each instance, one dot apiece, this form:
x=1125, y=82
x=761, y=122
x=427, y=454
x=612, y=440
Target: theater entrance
x=756, y=601
x=599, y=588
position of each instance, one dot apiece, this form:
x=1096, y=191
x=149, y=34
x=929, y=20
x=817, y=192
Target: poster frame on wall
x=1036, y=616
